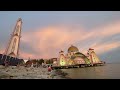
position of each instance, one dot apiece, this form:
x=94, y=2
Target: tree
x=51, y=61
x=40, y=61
x=48, y=62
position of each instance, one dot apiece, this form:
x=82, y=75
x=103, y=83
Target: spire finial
x=19, y=19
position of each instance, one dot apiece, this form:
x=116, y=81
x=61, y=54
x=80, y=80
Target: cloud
x=101, y=48
x=48, y=41
x=110, y=29
x=27, y=55
x=2, y=51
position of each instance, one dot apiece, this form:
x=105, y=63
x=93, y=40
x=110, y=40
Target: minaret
x=93, y=57
x=14, y=43
x=62, y=59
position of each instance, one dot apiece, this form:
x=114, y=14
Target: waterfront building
x=72, y=57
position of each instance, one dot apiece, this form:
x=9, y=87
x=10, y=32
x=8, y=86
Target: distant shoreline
x=113, y=63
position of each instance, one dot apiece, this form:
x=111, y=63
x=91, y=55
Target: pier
x=78, y=66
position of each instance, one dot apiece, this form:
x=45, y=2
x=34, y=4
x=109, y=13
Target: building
x=14, y=42
x=93, y=57
x=74, y=56
x=11, y=53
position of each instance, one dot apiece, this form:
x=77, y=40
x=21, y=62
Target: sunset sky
x=45, y=33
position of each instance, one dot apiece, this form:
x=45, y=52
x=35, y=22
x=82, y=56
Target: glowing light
x=62, y=63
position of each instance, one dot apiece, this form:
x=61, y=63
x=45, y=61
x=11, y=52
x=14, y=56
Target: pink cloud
x=105, y=47
x=107, y=30
x=2, y=51
x=27, y=55
x=48, y=41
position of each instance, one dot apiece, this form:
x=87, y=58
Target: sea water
x=108, y=71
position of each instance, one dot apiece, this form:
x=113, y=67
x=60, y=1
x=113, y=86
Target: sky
x=46, y=33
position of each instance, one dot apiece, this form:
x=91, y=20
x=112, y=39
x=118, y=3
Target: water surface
x=109, y=71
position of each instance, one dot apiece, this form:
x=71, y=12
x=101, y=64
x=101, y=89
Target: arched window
x=13, y=46
x=17, y=29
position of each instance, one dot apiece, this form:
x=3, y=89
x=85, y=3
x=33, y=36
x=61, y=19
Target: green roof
x=78, y=54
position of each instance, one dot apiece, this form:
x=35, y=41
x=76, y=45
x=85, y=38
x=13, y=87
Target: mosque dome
x=72, y=49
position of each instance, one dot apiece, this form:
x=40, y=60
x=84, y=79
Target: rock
x=22, y=72
x=2, y=67
x=7, y=70
x=4, y=75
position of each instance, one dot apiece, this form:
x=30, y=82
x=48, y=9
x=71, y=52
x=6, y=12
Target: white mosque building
x=74, y=56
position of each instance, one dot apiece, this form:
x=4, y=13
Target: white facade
x=13, y=46
x=93, y=57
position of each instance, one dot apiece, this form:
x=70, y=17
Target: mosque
x=74, y=56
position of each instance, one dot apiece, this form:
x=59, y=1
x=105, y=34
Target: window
x=13, y=46
x=17, y=29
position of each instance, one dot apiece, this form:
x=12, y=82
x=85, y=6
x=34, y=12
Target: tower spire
x=13, y=46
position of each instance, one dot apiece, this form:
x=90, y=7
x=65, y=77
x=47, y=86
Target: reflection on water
x=109, y=71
